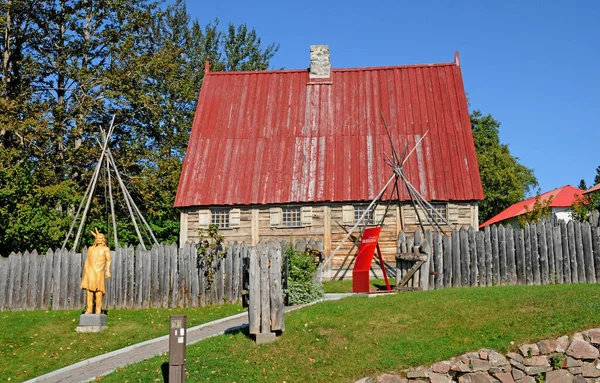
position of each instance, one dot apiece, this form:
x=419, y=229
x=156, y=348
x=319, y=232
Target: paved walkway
x=87, y=370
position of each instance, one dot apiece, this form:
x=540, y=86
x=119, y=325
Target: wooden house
x=561, y=200
x=300, y=153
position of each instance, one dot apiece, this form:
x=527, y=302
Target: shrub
x=302, y=286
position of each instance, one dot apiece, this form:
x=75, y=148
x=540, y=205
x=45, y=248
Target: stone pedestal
x=269, y=337
x=91, y=323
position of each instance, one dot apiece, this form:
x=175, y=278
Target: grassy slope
x=33, y=343
x=344, y=340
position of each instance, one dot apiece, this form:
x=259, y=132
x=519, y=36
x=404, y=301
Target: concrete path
x=87, y=370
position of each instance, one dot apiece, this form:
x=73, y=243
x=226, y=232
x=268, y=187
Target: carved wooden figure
x=95, y=270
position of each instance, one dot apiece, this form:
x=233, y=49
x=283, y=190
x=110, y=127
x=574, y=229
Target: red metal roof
x=592, y=189
x=562, y=197
x=278, y=137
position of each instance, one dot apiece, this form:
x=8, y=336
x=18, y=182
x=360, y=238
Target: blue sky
x=533, y=65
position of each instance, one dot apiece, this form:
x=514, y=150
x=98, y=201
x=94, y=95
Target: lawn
x=33, y=343
x=341, y=341
x=346, y=285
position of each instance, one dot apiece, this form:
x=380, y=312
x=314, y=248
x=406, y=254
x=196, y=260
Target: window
x=291, y=216
x=439, y=209
x=220, y=217
x=359, y=211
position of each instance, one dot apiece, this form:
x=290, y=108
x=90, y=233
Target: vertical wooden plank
x=416, y=279
x=183, y=254
x=535, y=255
x=447, y=245
x=579, y=252
x=4, y=282
x=202, y=281
x=543, y=245
x=254, y=293
x=131, y=268
x=481, y=265
x=147, y=270
x=72, y=291
x=399, y=265
x=56, y=280
x=588, y=253
x=229, y=272
x=49, y=280
x=166, y=275
x=173, y=255
x=276, y=296
x=426, y=275
x=41, y=281
x=33, y=282
x=155, y=277
x=503, y=279
x=511, y=270
x=24, y=281
x=520, y=257
x=473, y=261
x=439, y=259
x=564, y=241
x=65, y=267
x=596, y=247
x=123, y=288
x=265, y=291
x=488, y=256
x=80, y=294
x=139, y=276
x=551, y=257
x=235, y=279
x=465, y=257
x=112, y=303
x=12, y=268
x=195, y=285
x=558, y=256
x=221, y=281
x=527, y=260
x=456, y=259
x=572, y=252
x=495, y=257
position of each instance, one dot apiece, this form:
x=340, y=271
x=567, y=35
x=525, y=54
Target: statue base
x=92, y=323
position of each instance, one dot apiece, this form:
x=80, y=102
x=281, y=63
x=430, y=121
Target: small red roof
x=269, y=137
x=563, y=197
x=593, y=189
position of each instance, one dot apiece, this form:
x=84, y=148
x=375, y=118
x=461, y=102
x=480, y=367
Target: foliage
x=556, y=361
x=327, y=342
x=504, y=179
x=40, y=342
x=582, y=185
x=597, y=177
x=540, y=209
x=68, y=66
x=583, y=206
x=210, y=253
x=302, y=286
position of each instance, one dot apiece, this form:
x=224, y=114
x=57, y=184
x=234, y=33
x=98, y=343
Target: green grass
x=33, y=343
x=346, y=286
x=345, y=340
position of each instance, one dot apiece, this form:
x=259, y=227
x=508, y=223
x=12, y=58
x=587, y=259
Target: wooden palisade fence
x=543, y=253
x=164, y=276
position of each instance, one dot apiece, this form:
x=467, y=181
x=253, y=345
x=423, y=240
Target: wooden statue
x=95, y=270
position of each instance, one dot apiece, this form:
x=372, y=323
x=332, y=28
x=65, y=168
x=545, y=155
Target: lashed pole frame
x=133, y=209
x=396, y=163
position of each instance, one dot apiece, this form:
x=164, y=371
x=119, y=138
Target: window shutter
x=379, y=214
x=348, y=215
x=275, y=214
x=234, y=218
x=204, y=219
x=306, y=215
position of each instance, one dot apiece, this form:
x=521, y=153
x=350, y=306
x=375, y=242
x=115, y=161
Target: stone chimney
x=320, y=67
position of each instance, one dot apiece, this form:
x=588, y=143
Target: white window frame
x=436, y=218
x=277, y=217
x=349, y=214
x=206, y=217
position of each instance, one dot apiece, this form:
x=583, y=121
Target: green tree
x=597, y=177
x=540, y=209
x=67, y=67
x=582, y=184
x=504, y=179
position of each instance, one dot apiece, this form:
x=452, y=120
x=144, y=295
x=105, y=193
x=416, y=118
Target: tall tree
x=582, y=184
x=597, y=177
x=504, y=179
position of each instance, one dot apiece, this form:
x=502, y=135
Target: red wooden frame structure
x=360, y=274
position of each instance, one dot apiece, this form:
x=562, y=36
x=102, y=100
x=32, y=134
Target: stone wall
x=560, y=360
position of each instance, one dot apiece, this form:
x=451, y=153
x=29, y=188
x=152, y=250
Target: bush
x=302, y=286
